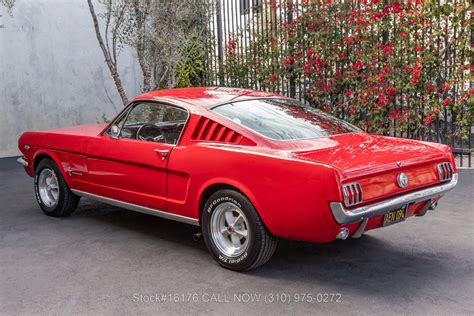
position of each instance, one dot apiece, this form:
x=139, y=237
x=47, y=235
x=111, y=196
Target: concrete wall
x=52, y=71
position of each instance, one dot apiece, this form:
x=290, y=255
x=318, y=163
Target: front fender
x=58, y=157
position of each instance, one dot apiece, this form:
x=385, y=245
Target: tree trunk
x=140, y=46
x=108, y=59
x=145, y=71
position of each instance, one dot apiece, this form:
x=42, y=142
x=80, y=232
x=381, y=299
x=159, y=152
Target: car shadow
x=373, y=265
x=143, y=224
x=370, y=264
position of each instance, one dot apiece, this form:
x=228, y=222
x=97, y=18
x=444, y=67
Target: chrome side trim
x=345, y=216
x=22, y=162
x=138, y=208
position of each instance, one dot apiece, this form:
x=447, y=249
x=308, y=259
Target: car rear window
x=284, y=119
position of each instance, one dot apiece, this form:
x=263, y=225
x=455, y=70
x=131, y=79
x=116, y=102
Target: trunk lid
x=361, y=154
x=376, y=161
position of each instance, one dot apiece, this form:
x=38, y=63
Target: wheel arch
x=224, y=184
x=210, y=190
x=48, y=154
x=39, y=157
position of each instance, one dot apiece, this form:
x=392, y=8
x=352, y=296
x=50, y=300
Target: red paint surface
x=289, y=182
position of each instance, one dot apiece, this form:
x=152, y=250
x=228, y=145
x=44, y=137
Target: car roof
x=205, y=97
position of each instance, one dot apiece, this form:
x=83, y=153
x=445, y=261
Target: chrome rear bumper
x=22, y=162
x=345, y=216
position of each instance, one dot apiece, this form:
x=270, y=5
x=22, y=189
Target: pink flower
x=387, y=49
x=429, y=86
x=394, y=7
x=446, y=102
x=427, y=119
x=415, y=74
x=309, y=52
x=288, y=61
x=326, y=3
x=377, y=16
x=358, y=65
x=307, y=68
x=386, y=69
x=445, y=86
x=383, y=100
x=391, y=91
x=319, y=63
x=380, y=78
x=272, y=78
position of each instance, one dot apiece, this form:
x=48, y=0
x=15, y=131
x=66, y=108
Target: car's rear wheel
x=52, y=193
x=234, y=233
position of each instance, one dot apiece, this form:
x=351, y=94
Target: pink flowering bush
x=390, y=67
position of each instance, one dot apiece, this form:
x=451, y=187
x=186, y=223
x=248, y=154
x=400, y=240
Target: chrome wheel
x=48, y=187
x=229, y=229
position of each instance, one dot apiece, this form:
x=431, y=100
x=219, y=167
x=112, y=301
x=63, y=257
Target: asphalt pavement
x=105, y=260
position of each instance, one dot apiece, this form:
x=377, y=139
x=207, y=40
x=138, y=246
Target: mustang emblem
x=402, y=180
x=399, y=163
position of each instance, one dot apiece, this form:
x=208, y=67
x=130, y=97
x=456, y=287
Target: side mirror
x=114, y=131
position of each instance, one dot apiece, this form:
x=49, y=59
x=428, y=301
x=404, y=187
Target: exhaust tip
x=197, y=236
x=433, y=205
x=343, y=234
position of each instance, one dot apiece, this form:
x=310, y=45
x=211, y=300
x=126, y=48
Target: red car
x=249, y=167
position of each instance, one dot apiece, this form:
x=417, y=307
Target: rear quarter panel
x=291, y=196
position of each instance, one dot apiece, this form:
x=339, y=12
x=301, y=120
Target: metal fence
x=250, y=19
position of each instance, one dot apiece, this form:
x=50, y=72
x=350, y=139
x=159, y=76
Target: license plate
x=395, y=216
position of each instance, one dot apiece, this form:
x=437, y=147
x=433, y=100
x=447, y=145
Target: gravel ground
x=104, y=260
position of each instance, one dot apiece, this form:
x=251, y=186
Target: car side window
x=153, y=122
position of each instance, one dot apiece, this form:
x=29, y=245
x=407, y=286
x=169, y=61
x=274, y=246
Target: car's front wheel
x=234, y=233
x=52, y=193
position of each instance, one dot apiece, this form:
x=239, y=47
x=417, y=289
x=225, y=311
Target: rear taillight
x=445, y=171
x=352, y=193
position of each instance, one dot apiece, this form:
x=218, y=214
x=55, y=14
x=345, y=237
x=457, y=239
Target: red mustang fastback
x=249, y=167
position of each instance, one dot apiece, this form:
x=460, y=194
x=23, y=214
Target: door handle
x=164, y=153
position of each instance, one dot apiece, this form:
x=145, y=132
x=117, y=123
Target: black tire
x=67, y=201
x=261, y=244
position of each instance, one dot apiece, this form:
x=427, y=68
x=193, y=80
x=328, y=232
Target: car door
x=128, y=162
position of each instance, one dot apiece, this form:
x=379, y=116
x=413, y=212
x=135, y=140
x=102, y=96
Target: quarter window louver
x=352, y=193
x=209, y=130
x=445, y=171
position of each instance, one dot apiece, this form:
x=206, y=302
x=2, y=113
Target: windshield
x=284, y=119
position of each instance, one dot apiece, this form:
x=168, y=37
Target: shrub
x=389, y=67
